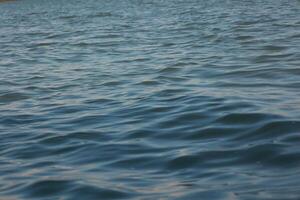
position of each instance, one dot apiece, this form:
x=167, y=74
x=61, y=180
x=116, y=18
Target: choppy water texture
x=150, y=99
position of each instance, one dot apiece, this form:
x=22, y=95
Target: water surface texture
x=150, y=99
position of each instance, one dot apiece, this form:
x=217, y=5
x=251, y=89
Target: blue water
x=150, y=99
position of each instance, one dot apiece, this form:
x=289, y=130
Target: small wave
x=12, y=97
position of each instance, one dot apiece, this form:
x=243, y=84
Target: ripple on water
x=149, y=100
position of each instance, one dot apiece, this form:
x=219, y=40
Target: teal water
x=150, y=99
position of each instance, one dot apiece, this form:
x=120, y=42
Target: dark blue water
x=150, y=99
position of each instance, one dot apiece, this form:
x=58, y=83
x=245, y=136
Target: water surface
x=150, y=99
